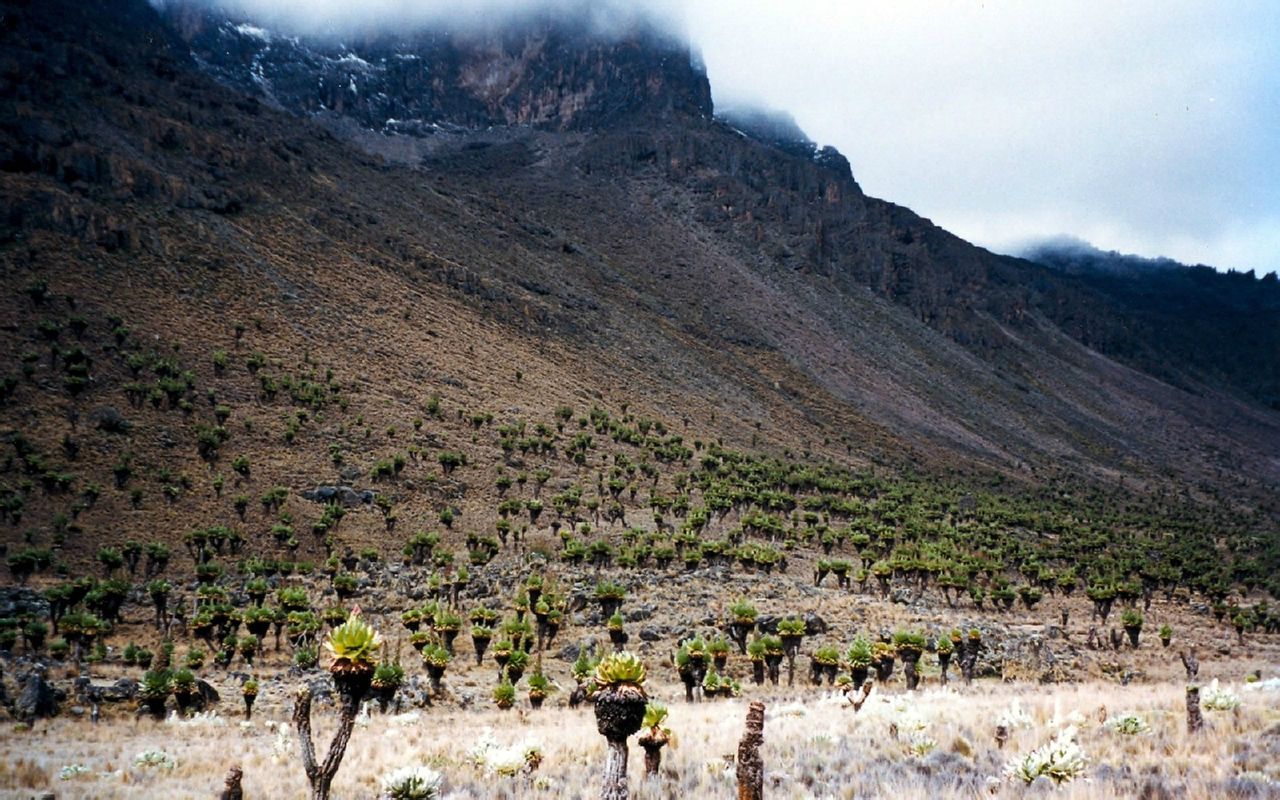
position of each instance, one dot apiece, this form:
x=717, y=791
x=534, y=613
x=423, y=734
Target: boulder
x=570, y=652
x=345, y=495
x=209, y=696
x=641, y=612
x=815, y=625
x=109, y=419
x=37, y=698
x=118, y=692
x=350, y=473
x=321, y=689
x=121, y=691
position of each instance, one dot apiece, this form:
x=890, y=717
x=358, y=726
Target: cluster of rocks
x=344, y=495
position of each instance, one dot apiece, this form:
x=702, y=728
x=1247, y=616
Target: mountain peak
x=543, y=70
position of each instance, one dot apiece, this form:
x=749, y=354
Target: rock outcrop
x=37, y=698
x=555, y=74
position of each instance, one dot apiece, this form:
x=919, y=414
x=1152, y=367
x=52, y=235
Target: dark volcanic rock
x=775, y=128
x=209, y=696
x=19, y=601
x=815, y=625
x=118, y=692
x=547, y=73
x=37, y=698
x=107, y=418
x=348, y=497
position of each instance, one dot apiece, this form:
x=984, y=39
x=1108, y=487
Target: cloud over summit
x=1150, y=127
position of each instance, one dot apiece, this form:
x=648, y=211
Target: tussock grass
x=936, y=743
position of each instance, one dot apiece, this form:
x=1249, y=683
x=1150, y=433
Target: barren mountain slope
x=658, y=264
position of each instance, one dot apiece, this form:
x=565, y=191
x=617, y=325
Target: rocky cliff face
x=545, y=73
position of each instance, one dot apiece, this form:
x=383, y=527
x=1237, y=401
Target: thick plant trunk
x=615, y=772
x=1195, y=721
x=653, y=740
x=233, y=790
x=1133, y=633
x=884, y=668
x=321, y=775
x=859, y=675
x=1190, y=663
x=909, y=670
x=750, y=771
x=652, y=759
x=774, y=664
x=969, y=661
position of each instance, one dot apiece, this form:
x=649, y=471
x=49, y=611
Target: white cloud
x=1150, y=126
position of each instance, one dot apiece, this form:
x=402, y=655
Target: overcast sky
x=1145, y=126
x=1150, y=127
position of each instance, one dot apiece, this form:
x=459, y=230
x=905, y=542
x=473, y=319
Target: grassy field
x=936, y=743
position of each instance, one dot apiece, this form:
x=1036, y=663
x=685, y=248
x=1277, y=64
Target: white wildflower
x=912, y=721
x=913, y=726
x=412, y=783
x=1015, y=717
x=407, y=719
x=71, y=772
x=1128, y=724
x=478, y=754
x=1060, y=760
x=1269, y=685
x=921, y=744
x=362, y=719
x=1216, y=698
x=154, y=759
x=494, y=758
x=1072, y=719
x=200, y=719
x=721, y=769
x=282, y=747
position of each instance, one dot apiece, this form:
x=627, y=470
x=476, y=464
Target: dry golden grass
x=935, y=743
